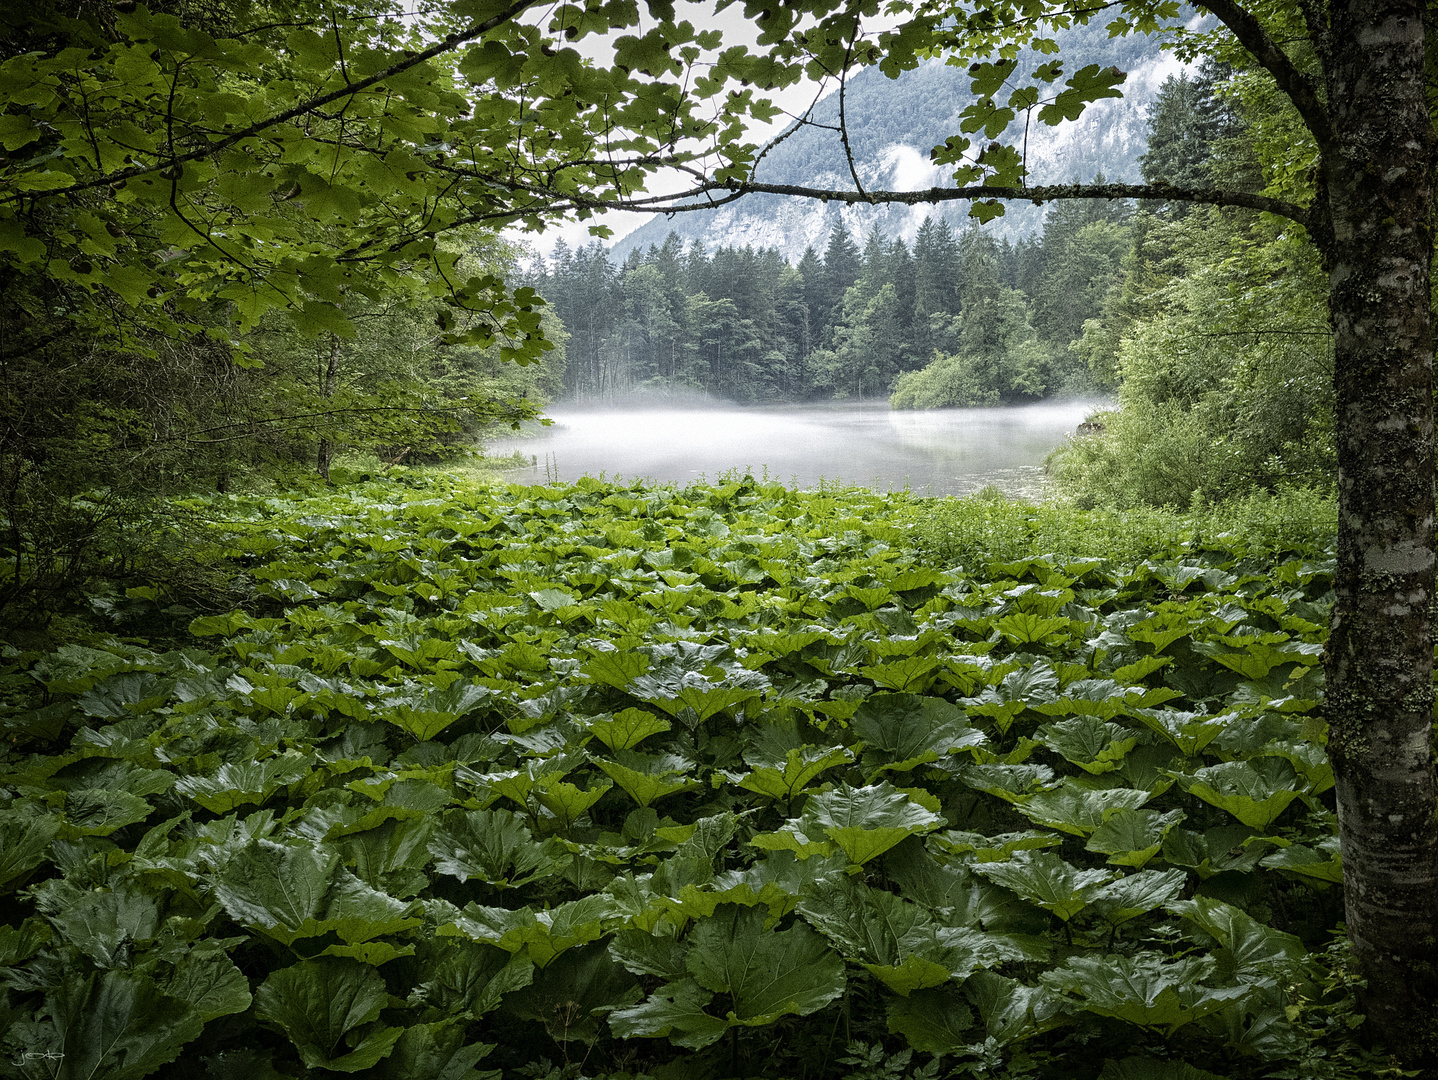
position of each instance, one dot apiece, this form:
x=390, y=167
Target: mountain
x=893, y=124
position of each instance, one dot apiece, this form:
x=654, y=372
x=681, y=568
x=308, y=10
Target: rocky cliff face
x=894, y=123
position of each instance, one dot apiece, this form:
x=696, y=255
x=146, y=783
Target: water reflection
x=939, y=452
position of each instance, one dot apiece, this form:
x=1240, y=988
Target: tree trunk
x=1377, y=200
x=327, y=388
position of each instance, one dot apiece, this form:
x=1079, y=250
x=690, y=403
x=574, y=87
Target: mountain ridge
x=892, y=125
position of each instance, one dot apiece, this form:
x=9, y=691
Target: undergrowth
x=721, y=781
x=973, y=530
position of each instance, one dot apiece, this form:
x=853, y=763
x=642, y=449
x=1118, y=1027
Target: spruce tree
x=842, y=267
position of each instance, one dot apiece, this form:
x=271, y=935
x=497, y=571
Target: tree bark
x=1374, y=224
x=326, y=452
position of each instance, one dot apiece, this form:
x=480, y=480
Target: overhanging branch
x=1036, y=195
x=1298, y=86
x=711, y=196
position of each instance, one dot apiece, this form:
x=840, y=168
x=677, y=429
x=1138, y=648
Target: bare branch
x=843, y=120
x=555, y=202
x=1036, y=195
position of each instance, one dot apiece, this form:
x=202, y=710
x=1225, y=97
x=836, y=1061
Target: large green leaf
x=390, y=855
x=1189, y=732
x=1016, y=691
x=801, y=765
x=937, y=1021
x=1256, y=791
x=23, y=840
x=115, y=1024
x=568, y=925
x=901, y=731
x=645, y=953
x=438, y=1051
x=105, y=925
x=1138, y=894
x=865, y=822
x=955, y=894
x=676, y=1010
x=494, y=846
x=542, y=934
x=1133, y=837
x=424, y=713
x=101, y=812
x=1249, y=950
x=1216, y=851
x=1089, y=742
x=273, y=884
x=240, y=783
x=509, y=929
x=565, y=800
x=1307, y=863
x=893, y=938
x=571, y=995
x=766, y=974
x=126, y=694
x=463, y=977
x=1047, y=880
x=645, y=777
x=20, y=943
x=1012, y=783
x=1255, y=661
x=1024, y=627
x=1012, y=1011
x=675, y=690
x=1144, y=990
x=208, y=981
x=328, y=1008
x=913, y=673
x=627, y=728
x=359, y=913
x=293, y=892
x=1079, y=810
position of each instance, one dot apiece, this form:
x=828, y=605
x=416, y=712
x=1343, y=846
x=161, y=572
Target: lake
x=934, y=452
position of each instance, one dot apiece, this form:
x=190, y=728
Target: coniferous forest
x=850, y=321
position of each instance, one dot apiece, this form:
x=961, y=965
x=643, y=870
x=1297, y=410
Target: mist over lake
x=932, y=452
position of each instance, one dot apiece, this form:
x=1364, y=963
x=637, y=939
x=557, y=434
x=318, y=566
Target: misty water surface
x=937, y=452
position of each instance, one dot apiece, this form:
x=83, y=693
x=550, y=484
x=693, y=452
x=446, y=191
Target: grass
x=986, y=525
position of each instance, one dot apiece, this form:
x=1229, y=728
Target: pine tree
x=842, y=267
x=936, y=283
x=900, y=272
x=1191, y=124
x=811, y=271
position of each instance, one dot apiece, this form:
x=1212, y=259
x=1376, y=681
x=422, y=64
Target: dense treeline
x=101, y=424
x=857, y=321
x=1215, y=332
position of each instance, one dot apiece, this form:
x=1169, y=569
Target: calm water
x=940, y=452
